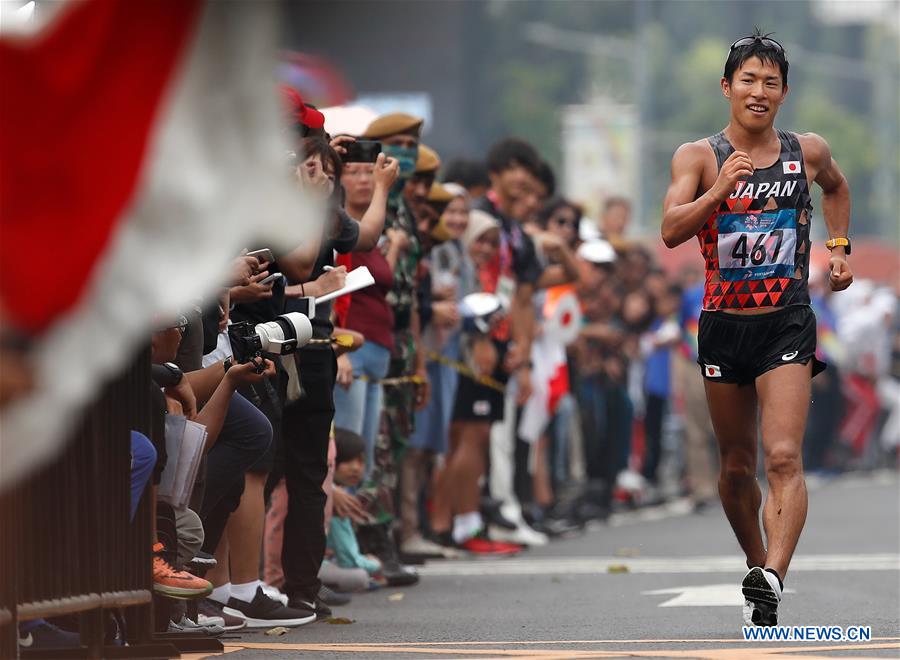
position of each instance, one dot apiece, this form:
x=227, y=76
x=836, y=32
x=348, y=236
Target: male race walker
x=744, y=193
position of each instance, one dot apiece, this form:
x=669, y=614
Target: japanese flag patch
x=791, y=166
x=712, y=371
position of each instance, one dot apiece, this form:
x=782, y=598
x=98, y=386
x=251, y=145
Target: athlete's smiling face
x=756, y=92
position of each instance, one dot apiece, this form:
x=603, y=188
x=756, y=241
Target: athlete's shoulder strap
x=721, y=147
x=789, y=140
x=790, y=146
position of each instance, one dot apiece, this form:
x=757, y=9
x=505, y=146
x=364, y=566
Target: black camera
x=284, y=335
x=361, y=151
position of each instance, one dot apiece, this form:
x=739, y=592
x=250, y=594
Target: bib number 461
x=757, y=255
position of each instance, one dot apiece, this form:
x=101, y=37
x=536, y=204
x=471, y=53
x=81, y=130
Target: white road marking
x=875, y=478
x=597, y=565
x=710, y=595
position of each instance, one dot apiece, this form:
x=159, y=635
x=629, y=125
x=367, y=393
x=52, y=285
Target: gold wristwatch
x=832, y=243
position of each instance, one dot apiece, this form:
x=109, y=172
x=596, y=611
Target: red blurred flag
x=142, y=146
x=79, y=106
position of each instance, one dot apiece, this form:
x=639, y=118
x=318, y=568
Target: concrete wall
x=372, y=42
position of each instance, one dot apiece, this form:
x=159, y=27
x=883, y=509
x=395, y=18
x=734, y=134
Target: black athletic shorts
x=738, y=348
x=477, y=402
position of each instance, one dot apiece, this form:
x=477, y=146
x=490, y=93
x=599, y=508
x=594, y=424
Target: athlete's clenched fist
x=736, y=167
x=841, y=276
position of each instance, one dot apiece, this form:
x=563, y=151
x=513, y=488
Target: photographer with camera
x=309, y=405
x=307, y=421
x=236, y=434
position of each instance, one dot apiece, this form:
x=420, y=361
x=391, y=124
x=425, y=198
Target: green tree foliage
x=685, y=48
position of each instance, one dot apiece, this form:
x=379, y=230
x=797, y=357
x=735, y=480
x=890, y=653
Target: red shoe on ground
x=487, y=548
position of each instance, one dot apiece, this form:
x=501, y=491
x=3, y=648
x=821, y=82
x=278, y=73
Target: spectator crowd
x=515, y=372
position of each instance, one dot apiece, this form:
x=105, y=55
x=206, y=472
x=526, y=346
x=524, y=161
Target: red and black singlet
x=756, y=244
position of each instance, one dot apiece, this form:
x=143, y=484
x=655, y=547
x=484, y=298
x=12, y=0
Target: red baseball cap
x=300, y=111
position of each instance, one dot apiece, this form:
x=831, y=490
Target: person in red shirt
x=358, y=394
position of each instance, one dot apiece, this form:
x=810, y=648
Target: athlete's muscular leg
x=784, y=401
x=732, y=410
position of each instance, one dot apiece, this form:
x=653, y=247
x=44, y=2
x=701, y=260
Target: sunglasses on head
x=765, y=41
x=181, y=324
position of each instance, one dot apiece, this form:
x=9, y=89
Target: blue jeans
x=358, y=408
x=559, y=431
x=143, y=460
x=433, y=422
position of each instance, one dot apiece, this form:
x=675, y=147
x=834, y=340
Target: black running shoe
x=334, y=598
x=762, y=593
x=316, y=605
x=323, y=612
x=557, y=527
x=212, y=609
x=398, y=575
x=491, y=514
x=202, y=562
x=265, y=612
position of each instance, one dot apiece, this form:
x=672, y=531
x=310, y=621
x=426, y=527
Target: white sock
x=244, y=592
x=466, y=525
x=276, y=593
x=221, y=594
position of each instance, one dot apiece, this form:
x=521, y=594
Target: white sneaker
x=204, y=620
x=521, y=535
x=186, y=625
x=631, y=481
x=275, y=594
x=762, y=594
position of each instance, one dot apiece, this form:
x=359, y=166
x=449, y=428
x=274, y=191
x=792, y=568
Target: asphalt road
x=655, y=583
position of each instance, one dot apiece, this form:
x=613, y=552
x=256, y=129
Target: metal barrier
x=66, y=542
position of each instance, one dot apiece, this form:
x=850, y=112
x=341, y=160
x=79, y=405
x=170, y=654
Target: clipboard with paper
x=358, y=278
x=185, y=443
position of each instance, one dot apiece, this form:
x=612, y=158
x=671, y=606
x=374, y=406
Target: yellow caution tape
x=344, y=341
x=468, y=372
x=456, y=365
x=397, y=380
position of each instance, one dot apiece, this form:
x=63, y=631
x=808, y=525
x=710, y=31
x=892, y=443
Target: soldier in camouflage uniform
x=399, y=135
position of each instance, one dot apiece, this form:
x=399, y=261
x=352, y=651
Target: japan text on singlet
x=756, y=244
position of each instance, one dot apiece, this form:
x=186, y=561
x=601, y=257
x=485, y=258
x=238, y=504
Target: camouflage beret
x=428, y=160
x=396, y=123
x=439, y=195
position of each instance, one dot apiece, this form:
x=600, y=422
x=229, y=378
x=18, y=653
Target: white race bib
x=757, y=245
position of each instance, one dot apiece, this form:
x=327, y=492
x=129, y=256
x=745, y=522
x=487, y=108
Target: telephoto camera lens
x=285, y=334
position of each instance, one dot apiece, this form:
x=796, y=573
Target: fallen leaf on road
x=627, y=552
x=277, y=632
x=339, y=620
x=395, y=597
x=617, y=568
